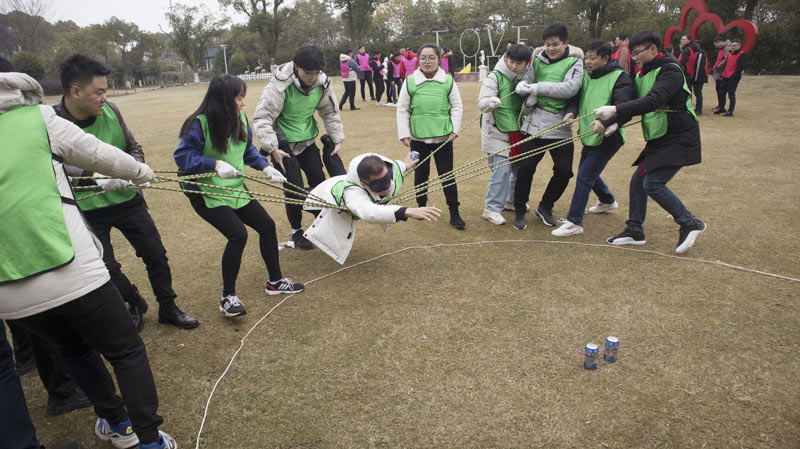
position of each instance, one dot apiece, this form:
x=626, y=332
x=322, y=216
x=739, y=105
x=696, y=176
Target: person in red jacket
x=622, y=53
x=732, y=74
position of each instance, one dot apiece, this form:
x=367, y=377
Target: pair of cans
x=592, y=352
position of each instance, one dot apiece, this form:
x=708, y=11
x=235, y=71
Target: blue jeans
x=654, y=185
x=593, y=161
x=16, y=428
x=501, y=183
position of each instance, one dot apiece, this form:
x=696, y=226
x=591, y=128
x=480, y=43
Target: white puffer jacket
x=86, y=272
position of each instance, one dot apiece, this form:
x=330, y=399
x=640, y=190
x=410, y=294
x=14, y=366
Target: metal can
x=590, y=354
x=414, y=155
x=611, y=349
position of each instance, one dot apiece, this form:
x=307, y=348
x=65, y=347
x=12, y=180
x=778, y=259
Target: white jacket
x=270, y=107
x=334, y=230
x=492, y=139
x=404, y=107
x=87, y=271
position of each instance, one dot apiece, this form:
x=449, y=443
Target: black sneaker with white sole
x=688, y=234
x=285, y=285
x=231, y=306
x=627, y=237
x=547, y=216
x=300, y=241
x=519, y=220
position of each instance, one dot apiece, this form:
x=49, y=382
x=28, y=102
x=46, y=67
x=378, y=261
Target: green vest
x=655, y=123
x=35, y=238
x=430, y=107
x=595, y=93
x=235, y=157
x=506, y=117
x=106, y=128
x=552, y=73
x=338, y=189
x=297, y=117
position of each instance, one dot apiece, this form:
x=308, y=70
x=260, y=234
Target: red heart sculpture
x=703, y=16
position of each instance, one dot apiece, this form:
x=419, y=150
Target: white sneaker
x=568, y=228
x=510, y=206
x=378, y=103
x=493, y=217
x=600, y=207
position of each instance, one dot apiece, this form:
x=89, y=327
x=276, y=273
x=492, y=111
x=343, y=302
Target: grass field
x=476, y=345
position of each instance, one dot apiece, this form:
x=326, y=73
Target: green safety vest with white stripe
x=506, y=117
x=107, y=128
x=235, y=157
x=595, y=93
x=655, y=123
x=552, y=73
x=296, y=120
x=430, y=107
x=338, y=189
x=35, y=238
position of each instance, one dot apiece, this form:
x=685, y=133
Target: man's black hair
x=349, y=51
x=6, y=65
x=621, y=37
x=309, y=58
x=80, y=69
x=376, y=52
x=737, y=40
x=687, y=36
x=719, y=39
x=370, y=166
x=511, y=42
x=558, y=30
x=646, y=37
x=519, y=52
x=601, y=48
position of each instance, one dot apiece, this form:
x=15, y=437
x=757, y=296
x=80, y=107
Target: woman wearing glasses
x=429, y=113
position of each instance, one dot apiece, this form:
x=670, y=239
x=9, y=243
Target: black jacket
x=376, y=66
x=680, y=145
x=700, y=75
x=685, y=55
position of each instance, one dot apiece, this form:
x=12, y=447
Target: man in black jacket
x=690, y=52
x=673, y=140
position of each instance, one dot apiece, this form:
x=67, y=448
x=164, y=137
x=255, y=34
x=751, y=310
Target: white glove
x=226, y=170
x=273, y=175
x=494, y=103
x=109, y=183
x=145, y=174
x=605, y=112
x=525, y=88
x=611, y=129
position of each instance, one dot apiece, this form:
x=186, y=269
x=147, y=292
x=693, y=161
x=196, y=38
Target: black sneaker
x=519, y=220
x=231, y=306
x=627, y=237
x=728, y=114
x=76, y=400
x=456, y=220
x=718, y=111
x=300, y=241
x=688, y=234
x=547, y=216
x=285, y=285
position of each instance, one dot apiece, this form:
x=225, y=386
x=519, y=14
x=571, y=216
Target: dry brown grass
x=477, y=346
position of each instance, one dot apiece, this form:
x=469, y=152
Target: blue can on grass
x=590, y=354
x=611, y=349
x=414, y=155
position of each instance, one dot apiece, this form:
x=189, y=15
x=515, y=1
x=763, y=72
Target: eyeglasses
x=636, y=53
x=428, y=59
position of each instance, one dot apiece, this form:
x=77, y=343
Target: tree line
x=273, y=29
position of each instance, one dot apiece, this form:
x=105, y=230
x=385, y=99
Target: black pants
x=720, y=94
x=99, y=323
x=379, y=88
x=16, y=428
x=368, y=79
x=132, y=219
x=49, y=364
x=307, y=162
x=562, y=171
x=697, y=91
x=391, y=91
x=729, y=86
x=444, y=164
x=230, y=222
x=349, y=92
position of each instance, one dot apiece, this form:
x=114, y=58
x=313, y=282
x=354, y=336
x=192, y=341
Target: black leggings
x=349, y=91
x=368, y=79
x=230, y=222
x=378, y=88
x=444, y=164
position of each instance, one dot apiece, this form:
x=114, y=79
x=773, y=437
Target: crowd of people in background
x=73, y=302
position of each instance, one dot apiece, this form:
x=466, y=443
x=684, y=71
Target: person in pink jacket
x=365, y=72
x=410, y=62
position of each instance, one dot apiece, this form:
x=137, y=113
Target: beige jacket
x=271, y=105
x=87, y=271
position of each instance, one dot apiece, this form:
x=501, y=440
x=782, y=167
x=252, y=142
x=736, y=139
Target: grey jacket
x=492, y=139
x=538, y=119
x=270, y=107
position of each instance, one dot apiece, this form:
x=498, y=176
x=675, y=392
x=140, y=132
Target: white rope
x=443, y=245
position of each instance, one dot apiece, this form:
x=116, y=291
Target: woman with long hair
x=217, y=137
